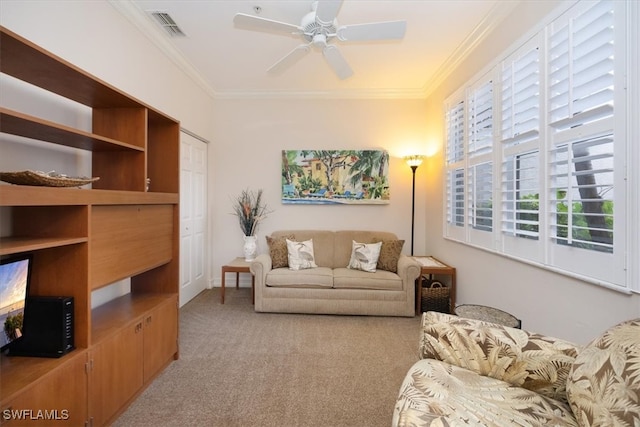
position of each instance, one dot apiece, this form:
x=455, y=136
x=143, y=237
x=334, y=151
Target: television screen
x=14, y=283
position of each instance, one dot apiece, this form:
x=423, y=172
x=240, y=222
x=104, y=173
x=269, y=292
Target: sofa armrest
x=408, y=270
x=533, y=361
x=259, y=267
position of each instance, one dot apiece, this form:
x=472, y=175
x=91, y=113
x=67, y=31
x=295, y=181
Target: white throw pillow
x=300, y=255
x=364, y=256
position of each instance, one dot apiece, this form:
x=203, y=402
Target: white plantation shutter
x=481, y=197
x=455, y=158
x=520, y=152
x=521, y=195
x=584, y=173
x=455, y=132
x=480, y=140
x=480, y=119
x=521, y=98
x=455, y=203
x=582, y=182
x=541, y=156
x=581, y=67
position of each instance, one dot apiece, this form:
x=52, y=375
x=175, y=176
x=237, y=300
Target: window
x=549, y=122
x=481, y=197
x=480, y=162
x=455, y=193
x=520, y=144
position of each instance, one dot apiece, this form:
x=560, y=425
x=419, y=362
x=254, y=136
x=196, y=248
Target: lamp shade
x=414, y=160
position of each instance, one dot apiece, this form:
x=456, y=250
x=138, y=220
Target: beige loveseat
x=331, y=287
x=474, y=373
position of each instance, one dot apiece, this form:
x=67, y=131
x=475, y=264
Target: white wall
x=250, y=135
x=546, y=302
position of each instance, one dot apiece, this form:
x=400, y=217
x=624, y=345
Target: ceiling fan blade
x=327, y=10
x=391, y=30
x=250, y=22
x=337, y=62
x=291, y=58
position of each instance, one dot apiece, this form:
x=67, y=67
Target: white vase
x=250, y=247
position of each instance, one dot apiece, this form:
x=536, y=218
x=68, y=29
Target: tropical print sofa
x=474, y=373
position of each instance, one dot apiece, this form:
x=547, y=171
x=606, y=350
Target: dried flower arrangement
x=250, y=210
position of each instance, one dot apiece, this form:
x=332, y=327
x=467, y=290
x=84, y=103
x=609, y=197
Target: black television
x=15, y=276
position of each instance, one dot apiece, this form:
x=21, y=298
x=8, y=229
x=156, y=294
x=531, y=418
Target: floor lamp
x=413, y=162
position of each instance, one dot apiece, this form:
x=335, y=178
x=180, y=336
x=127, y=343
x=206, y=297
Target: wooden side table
x=431, y=265
x=238, y=265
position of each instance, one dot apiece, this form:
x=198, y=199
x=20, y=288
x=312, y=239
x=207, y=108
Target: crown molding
x=148, y=28
x=491, y=21
x=342, y=94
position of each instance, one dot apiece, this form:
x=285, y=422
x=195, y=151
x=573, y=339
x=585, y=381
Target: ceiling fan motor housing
x=312, y=28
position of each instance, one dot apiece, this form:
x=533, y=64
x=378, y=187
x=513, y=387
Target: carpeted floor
x=242, y=368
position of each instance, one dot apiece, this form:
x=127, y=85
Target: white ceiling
x=232, y=62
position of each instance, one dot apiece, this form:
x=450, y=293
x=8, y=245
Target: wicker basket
x=435, y=297
x=36, y=178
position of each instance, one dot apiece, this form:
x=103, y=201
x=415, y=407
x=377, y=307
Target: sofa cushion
x=364, y=256
x=389, y=255
x=320, y=277
x=278, y=250
x=300, y=254
x=435, y=393
x=346, y=278
x=603, y=387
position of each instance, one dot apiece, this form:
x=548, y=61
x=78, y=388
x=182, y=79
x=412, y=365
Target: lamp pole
x=413, y=162
x=413, y=203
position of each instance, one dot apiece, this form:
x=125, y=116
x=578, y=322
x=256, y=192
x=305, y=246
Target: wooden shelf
x=112, y=317
x=24, y=195
x=28, y=62
x=12, y=245
x=16, y=123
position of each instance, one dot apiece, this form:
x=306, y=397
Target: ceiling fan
x=318, y=29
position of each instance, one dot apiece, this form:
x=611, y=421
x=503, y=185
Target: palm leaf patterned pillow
x=604, y=385
x=521, y=358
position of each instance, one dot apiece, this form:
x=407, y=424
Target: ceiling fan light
x=319, y=40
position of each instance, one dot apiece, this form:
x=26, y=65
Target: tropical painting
x=335, y=177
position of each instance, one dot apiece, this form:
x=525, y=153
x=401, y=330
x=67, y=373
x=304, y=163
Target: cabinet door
x=117, y=372
x=59, y=398
x=160, y=337
x=128, y=240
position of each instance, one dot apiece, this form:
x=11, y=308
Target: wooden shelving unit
x=85, y=239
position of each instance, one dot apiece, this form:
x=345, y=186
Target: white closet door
x=193, y=216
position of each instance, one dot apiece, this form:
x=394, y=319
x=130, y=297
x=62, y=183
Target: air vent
x=166, y=21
